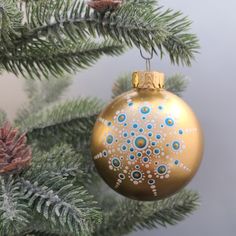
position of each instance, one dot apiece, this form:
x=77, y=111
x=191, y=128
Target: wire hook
x=147, y=59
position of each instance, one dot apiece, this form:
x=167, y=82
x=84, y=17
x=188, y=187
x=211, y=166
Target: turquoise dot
x=145, y=110
x=169, y=122
x=109, y=139
x=176, y=145
x=135, y=126
x=130, y=104
x=121, y=118
x=140, y=142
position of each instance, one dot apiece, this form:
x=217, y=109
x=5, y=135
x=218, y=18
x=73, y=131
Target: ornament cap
x=148, y=80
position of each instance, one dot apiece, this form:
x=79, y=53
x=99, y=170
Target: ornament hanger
x=147, y=59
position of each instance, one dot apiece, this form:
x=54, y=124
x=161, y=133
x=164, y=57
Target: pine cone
x=105, y=5
x=15, y=155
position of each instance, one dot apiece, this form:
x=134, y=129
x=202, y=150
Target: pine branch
x=60, y=160
x=47, y=42
x=41, y=94
x=13, y=211
x=10, y=22
x=61, y=203
x=176, y=84
x=129, y=215
x=69, y=122
x=41, y=58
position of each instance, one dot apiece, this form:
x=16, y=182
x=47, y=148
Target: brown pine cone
x=15, y=154
x=105, y=5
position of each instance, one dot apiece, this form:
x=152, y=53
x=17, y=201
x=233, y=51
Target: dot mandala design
x=140, y=139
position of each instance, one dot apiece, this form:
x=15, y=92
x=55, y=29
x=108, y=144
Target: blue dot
x=181, y=131
x=125, y=134
x=157, y=151
x=153, y=143
x=131, y=157
x=124, y=147
x=158, y=136
x=162, y=169
x=149, y=126
x=131, y=149
x=109, y=123
x=169, y=122
x=162, y=125
x=130, y=104
x=148, y=152
x=160, y=107
x=141, y=130
x=135, y=126
x=128, y=141
x=143, y=117
x=139, y=154
x=132, y=133
x=125, y=124
x=150, y=134
x=176, y=162
x=167, y=144
x=145, y=159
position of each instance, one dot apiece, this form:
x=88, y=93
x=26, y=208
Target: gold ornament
x=147, y=144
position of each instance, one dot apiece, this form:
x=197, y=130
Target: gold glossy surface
x=159, y=156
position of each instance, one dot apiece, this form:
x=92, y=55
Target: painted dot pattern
x=139, y=139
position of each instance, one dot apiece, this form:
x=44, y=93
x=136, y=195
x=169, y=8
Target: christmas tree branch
x=176, y=84
x=60, y=202
x=13, y=211
x=128, y=215
x=42, y=93
x=42, y=58
x=69, y=122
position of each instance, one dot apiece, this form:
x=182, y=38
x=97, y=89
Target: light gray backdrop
x=211, y=94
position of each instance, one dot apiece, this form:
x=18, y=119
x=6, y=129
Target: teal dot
x=145, y=110
x=169, y=122
x=109, y=139
x=116, y=162
x=161, y=169
x=176, y=145
x=140, y=142
x=158, y=136
x=121, y=118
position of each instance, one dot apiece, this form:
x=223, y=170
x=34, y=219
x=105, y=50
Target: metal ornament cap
x=147, y=144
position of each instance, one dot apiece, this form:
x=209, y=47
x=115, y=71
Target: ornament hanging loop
x=147, y=59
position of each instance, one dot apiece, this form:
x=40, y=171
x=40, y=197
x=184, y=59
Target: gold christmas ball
x=147, y=144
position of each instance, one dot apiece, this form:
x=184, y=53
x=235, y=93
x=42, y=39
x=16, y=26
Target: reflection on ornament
x=142, y=148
